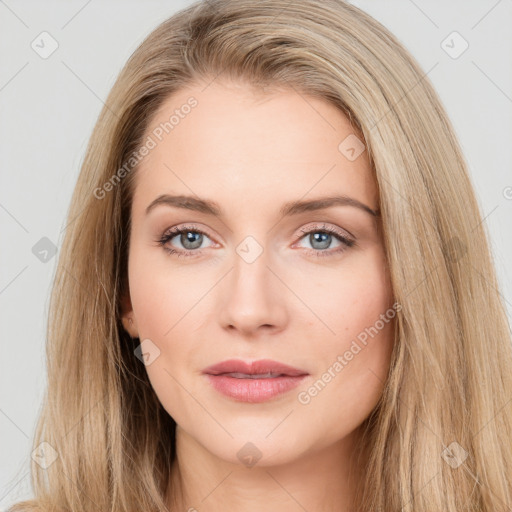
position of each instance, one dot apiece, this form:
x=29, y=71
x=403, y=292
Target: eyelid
x=324, y=226
x=319, y=226
x=339, y=233
x=175, y=230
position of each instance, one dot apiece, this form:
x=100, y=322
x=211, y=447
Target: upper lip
x=253, y=367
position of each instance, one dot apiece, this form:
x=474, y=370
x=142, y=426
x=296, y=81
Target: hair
x=450, y=378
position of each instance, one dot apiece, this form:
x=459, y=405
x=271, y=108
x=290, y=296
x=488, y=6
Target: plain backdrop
x=50, y=105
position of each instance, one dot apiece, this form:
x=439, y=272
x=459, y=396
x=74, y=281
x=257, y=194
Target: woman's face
x=262, y=277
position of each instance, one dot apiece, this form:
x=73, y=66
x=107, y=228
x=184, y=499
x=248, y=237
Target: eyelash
x=170, y=234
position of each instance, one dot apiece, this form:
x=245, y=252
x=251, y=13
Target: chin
x=258, y=449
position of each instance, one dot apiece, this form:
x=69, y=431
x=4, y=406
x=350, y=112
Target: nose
x=253, y=298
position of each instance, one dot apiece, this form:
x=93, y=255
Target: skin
x=251, y=152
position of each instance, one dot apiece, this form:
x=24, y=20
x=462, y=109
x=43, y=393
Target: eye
x=190, y=237
x=321, y=239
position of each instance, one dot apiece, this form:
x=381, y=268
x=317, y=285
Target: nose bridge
x=250, y=276
x=252, y=295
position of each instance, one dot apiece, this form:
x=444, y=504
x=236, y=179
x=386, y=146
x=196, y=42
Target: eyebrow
x=209, y=207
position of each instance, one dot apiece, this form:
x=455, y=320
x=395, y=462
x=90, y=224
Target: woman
x=275, y=286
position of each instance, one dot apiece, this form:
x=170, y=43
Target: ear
x=128, y=317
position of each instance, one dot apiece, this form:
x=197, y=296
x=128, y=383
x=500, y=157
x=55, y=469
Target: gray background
x=49, y=107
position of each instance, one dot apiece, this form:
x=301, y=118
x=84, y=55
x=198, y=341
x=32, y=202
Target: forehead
x=259, y=147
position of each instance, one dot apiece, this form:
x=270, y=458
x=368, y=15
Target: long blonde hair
x=440, y=439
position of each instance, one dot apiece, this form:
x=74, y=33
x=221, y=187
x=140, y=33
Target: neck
x=323, y=479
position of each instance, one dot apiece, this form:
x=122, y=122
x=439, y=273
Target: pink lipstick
x=254, y=382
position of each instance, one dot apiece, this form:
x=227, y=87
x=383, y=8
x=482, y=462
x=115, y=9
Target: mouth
x=268, y=375
x=253, y=382
x=263, y=368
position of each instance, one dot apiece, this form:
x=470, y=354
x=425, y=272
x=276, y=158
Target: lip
x=253, y=367
x=253, y=390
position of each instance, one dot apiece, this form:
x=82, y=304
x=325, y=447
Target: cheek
x=165, y=300
x=163, y=294
x=353, y=355
x=348, y=300
x=350, y=383
x=158, y=315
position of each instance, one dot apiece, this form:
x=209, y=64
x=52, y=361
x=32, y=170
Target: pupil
x=191, y=238
x=323, y=238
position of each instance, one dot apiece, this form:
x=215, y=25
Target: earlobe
x=128, y=318
x=130, y=326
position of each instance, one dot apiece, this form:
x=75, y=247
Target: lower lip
x=253, y=390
